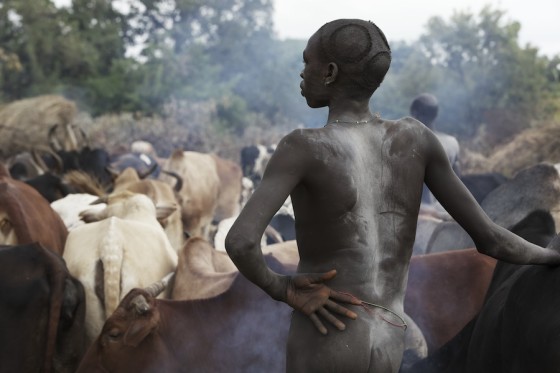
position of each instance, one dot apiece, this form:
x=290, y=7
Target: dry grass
x=25, y=123
x=529, y=147
x=184, y=126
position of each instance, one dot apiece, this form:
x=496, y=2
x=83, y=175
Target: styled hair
x=359, y=48
x=425, y=108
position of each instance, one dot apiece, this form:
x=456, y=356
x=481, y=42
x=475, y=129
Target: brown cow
x=26, y=216
x=41, y=312
x=229, y=197
x=445, y=291
x=241, y=330
x=202, y=272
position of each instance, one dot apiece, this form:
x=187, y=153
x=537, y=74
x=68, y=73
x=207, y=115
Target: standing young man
x=356, y=186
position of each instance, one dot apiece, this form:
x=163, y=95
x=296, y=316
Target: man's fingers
x=343, y=297
x=318, y=324
x=330, y=318
x=322, y=277
x=340, y=310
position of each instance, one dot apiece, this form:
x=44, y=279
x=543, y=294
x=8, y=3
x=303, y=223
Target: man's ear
x=332, y=73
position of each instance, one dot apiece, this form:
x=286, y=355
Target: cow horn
x=157, y=288
x=85, y=137
x=140, y=304
x=148, y=172
x=71, y=137
x=53, y=141
x=38, y=160
x=179, y=183
x=59, y=168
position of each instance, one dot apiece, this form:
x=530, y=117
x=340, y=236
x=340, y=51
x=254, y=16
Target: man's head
x=352, y=52
x=424, y=108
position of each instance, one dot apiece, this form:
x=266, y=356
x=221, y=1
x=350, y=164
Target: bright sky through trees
x=405, y=19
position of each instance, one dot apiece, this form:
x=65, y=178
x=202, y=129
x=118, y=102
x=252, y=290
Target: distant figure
x=425, y=108
x=356, y=188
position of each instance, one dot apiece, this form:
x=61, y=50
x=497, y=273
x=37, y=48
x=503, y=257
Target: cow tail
x=112, y=258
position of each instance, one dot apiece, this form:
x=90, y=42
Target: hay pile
x=25, y=123
x=529, y=147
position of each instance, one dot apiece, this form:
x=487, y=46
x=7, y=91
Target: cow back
x=30, y=216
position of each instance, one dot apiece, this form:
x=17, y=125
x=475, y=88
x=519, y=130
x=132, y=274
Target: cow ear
x=164, y=210
x=139, y=330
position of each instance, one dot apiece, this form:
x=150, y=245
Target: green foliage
x=223, y=54
x=483, y=69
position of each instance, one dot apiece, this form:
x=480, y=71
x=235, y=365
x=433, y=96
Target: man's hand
x=307, y=293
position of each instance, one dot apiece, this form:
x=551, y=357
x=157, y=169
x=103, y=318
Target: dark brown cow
x=41, y=312
x=26, y=217
x=445, y=291
x=516, y=328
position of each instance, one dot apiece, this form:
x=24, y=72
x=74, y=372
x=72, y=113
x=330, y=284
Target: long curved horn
x=71, y=137
x=53, y=141
x=59, y=167
x=179, y=184
x=84, y=136
x=140, y=303
x=150, y=171
x=157, y=288
x=38, y=160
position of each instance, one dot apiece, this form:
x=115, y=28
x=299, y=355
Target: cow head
x=135, y=318
x=129, y=337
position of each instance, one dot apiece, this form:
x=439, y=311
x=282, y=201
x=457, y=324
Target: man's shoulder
x=295, y=143
x=408, y=123
x=304, y=137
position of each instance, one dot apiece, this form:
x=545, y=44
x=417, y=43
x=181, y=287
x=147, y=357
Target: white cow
x=124, y=248
x=70, y=207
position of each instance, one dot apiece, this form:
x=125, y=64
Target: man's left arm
x=489, y=238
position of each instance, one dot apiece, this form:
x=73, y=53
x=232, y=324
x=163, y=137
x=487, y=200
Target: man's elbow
x=237, y=244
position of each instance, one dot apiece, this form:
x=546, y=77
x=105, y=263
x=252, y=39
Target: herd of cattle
x=115, y=263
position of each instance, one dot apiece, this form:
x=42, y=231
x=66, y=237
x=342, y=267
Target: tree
x=29, y=30
x=484, y=69
x=210, y=49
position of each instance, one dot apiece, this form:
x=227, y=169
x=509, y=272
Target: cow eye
x=114, y=333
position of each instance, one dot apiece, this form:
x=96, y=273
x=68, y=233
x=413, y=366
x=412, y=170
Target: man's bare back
x=353, y=201
x=356, y=187
x=349, y=205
